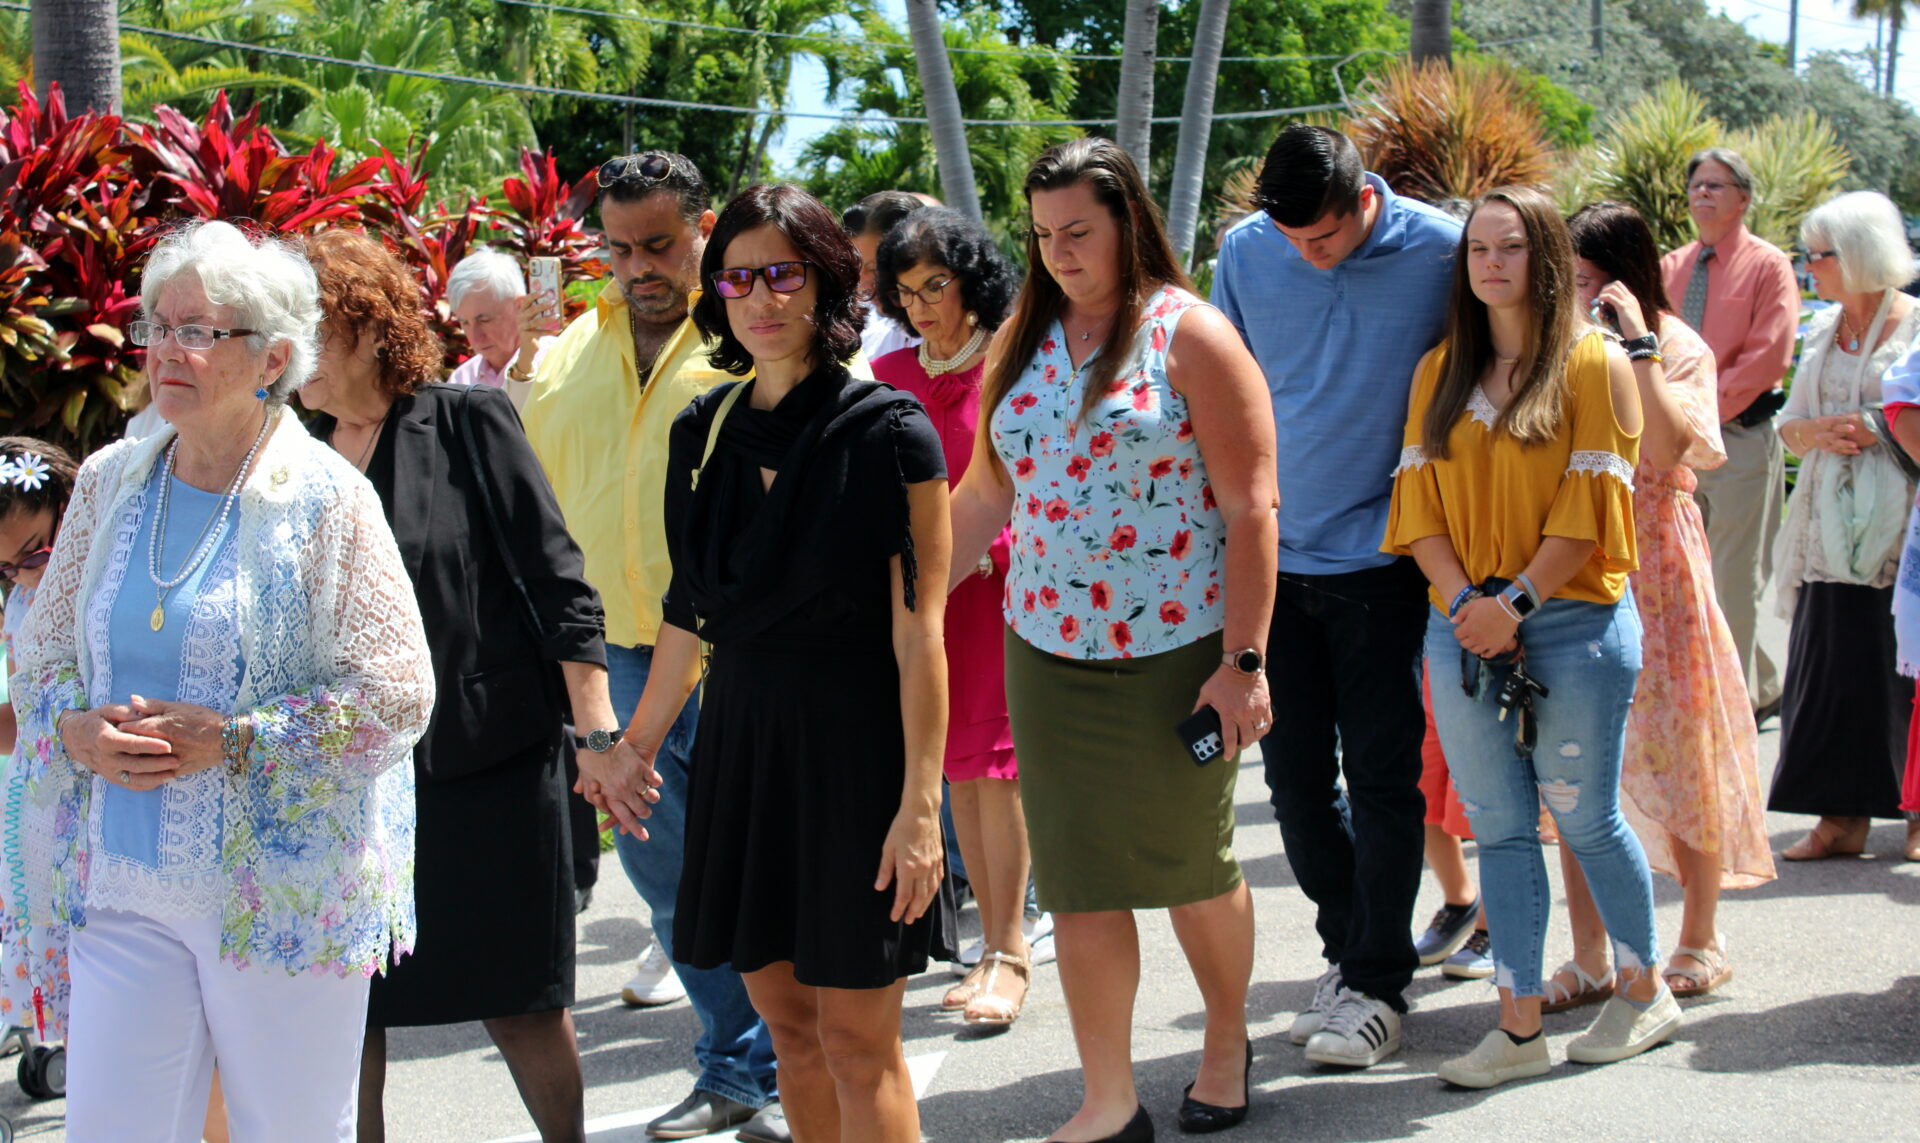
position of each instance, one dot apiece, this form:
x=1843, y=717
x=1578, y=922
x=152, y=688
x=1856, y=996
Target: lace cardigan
x=317, y=851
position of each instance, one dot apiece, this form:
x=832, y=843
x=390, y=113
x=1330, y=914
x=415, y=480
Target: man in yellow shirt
x=601, y=402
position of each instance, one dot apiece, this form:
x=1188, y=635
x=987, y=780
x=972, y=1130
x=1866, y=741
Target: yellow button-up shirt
x=603, y=441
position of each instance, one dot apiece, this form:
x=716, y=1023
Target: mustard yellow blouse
x=1497, y=498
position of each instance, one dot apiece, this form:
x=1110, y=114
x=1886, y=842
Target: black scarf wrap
x=843, y=454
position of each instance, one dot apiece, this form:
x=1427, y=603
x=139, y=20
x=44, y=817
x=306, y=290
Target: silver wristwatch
x=600, y=741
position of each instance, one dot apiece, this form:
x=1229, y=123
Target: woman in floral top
x=221, y=680
x=1126, y=459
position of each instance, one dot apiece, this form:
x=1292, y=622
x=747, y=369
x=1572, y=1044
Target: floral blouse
x=316, y=852
x=1118, y=544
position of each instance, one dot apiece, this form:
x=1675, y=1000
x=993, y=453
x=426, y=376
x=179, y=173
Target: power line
x=814, y=38
x=642, y=100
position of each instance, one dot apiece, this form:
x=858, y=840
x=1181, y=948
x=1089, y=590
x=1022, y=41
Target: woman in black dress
x=472, y=512
x=807, y=520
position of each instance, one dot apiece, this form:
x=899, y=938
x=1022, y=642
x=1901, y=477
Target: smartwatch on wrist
x=1518, y=601
x=1246, y=661
x=599, y=741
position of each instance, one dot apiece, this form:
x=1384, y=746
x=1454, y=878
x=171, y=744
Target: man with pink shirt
x=1739, y=292
x=486, y=293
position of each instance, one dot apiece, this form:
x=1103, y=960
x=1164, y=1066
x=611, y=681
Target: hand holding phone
x=1200, y=732
x=543, y=279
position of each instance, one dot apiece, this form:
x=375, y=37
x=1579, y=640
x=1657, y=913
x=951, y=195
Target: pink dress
x=1691, y=766
x=979, y=738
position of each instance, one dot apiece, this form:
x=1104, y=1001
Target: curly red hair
x=365, y=289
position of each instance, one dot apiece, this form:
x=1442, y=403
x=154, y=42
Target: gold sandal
x=962, y=994
x=989, y=1007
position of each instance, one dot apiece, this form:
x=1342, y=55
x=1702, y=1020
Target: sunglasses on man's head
x=782, y=278
x=651, y=166
x=28, y=563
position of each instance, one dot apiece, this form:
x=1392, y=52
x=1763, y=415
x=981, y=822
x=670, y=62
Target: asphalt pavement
x=1817, y=1037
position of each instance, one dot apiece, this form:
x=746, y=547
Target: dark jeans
x=1343, y=661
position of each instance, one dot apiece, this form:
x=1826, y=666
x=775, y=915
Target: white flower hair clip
x=30, y=471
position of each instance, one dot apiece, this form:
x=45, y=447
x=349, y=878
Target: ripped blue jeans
x=1588, y=657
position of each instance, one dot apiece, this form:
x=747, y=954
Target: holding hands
x=622, y=783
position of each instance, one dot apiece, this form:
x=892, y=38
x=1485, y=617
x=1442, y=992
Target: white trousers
x=154, y=1007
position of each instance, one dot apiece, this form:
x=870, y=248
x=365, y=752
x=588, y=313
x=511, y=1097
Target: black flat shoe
x=1198, y=1118
x=1139, y=1129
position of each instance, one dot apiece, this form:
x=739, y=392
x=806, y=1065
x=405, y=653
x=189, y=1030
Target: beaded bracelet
x=1652, y=355
x=1467, y=595
x=234, y=733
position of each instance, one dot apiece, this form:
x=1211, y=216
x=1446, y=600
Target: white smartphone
x=543, y=277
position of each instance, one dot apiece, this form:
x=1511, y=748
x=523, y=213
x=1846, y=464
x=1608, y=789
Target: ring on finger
x=125, y=777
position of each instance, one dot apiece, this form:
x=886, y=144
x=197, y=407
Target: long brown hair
x=1614, y=237
x=1534, y=413
x=1147, y=263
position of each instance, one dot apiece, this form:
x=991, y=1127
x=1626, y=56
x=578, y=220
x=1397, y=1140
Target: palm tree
x=1196, y=123
x=1432, y=35
x=943, y=108
x=1133, y=128
x=76, y=43
x=1895, y=13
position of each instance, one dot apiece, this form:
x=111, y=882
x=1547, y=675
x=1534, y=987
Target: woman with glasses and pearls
x=940, y=276
x=806, y=515
x=1845, y=709
x=220, y=685
x=1515, y=494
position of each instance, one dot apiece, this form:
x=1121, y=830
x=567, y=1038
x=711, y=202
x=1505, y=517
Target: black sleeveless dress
x=799, y=762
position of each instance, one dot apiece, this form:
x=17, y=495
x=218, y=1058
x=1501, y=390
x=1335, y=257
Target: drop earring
x=973, y=318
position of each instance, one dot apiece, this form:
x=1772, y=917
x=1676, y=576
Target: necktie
x=1693, y=308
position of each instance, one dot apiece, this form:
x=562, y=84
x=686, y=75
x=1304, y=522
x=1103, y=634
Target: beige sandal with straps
x=1715, y=969
x=962, y=994
x=1590, y=990
x=989, y=1007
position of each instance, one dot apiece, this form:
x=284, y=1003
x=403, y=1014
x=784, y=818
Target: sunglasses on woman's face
x=29, y=563
x=782, y=278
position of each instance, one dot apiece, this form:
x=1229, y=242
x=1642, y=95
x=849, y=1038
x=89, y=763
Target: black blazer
x=500, y=692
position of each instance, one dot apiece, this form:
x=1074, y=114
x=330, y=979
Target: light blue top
x=1339, y=347
x=161, y=847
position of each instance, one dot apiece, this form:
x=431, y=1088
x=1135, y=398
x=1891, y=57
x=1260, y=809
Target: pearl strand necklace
x=935, y=366
x=209, y=535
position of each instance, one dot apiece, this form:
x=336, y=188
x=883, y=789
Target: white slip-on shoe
x=654, y=982
x=1497, y=1059
x=1326, y=993
x=1359, y=1032
x=1621, y=1030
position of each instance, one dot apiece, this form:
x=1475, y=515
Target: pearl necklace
x=935, y=366
x=209, y=535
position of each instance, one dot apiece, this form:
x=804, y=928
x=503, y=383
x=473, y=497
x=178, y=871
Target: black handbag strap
x=482, y=482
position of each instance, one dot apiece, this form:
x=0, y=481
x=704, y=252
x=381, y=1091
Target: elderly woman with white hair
x=488, y=297
x=1844, y=716
x=219, y=688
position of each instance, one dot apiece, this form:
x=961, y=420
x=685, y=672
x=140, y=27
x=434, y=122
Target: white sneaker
x=654, y=981
x=1621, y=1030
x=1359, y=1032
x=1038, y=932
x=1326, y=993
x=1496, y=1060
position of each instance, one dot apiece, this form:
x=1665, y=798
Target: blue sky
x=1824, y=26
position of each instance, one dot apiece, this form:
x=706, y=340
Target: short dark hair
x=52, y=493
x=1614, y=237
x=1310, y=173
x=878, y=212
x=1730, y=159
x=942, y=236
x=838, y=312
x=682, y=180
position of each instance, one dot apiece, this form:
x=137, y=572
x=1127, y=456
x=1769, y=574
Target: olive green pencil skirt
x=1118, y=816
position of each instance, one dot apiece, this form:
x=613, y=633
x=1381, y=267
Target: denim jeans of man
x=735, y=1051
x=1587, y=655
x=1343, y=663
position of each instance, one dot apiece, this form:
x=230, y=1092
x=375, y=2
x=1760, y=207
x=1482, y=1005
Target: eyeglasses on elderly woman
x=152, y=333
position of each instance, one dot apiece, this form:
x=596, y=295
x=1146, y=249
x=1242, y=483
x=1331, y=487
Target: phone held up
x=1200, y=733
x=543, y=278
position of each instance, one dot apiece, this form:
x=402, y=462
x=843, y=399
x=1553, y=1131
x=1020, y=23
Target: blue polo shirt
x=1339, y=347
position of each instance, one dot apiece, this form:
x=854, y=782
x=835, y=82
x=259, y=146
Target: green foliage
x=857, y=158
x=1436, y=132
x=1641, y=160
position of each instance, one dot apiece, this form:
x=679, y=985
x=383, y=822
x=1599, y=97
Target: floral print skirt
x=1691, y=767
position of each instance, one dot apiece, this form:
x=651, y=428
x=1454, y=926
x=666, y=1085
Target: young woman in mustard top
x=1515, y=494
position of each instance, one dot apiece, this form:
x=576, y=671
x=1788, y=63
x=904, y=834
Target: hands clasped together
x=143, y=744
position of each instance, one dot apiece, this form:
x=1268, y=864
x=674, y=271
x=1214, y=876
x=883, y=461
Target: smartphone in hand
x=1200, y=733
x=543, y=279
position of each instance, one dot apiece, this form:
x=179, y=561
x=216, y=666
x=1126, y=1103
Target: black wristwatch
x=599, y=741
x=1247, y=661
x=1644, y=341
